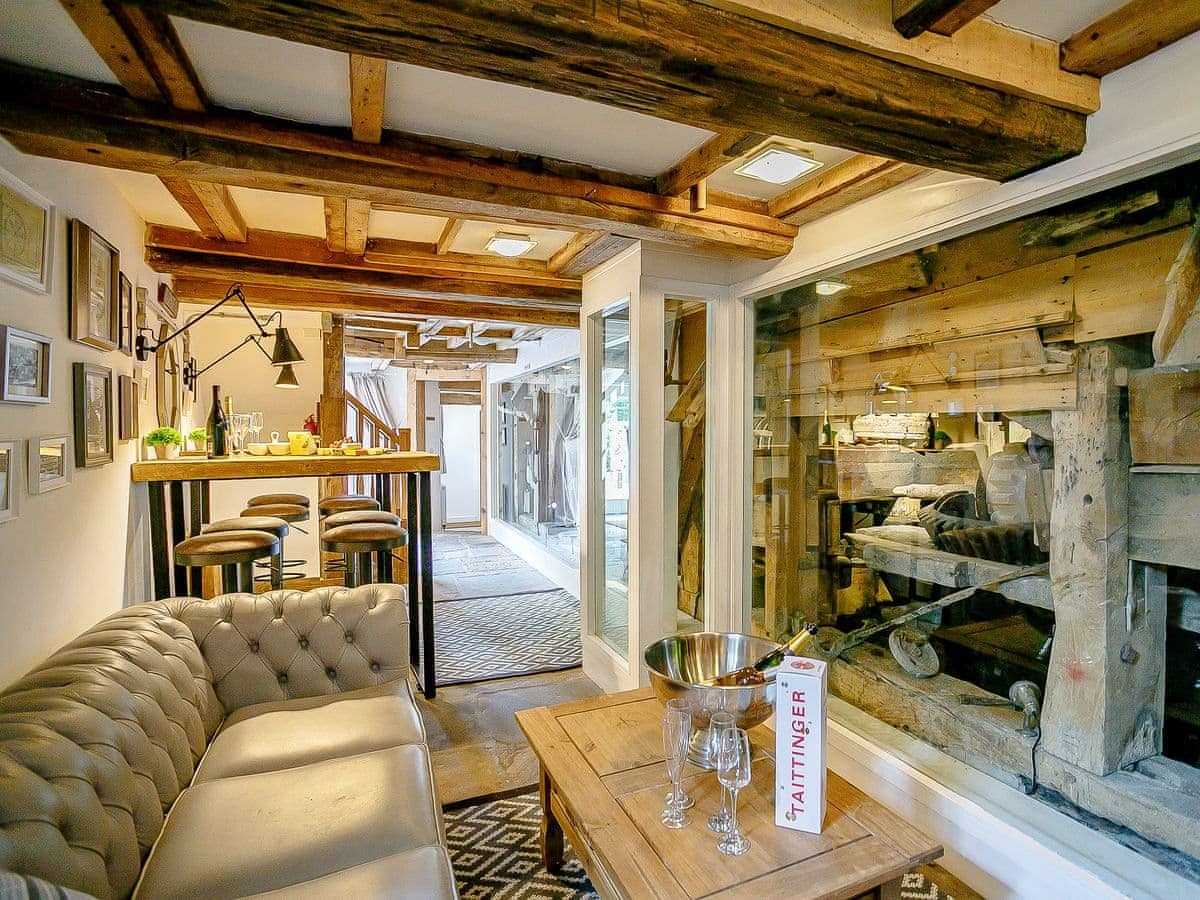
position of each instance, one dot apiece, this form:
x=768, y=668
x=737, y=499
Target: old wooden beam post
x=331, y=408
x=1104, y=693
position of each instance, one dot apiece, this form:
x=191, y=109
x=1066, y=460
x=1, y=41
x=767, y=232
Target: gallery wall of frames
x=74, y=401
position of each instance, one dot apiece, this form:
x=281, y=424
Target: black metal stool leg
x=277, y=569
x=229, y=578
x=245, y=576
x=385, y=566
x=350, y=570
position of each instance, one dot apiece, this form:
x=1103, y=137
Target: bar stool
x=327, y=506
x=269, y=524
x=357, y=542
x=271, y=499
x=234, y=551
x=290, y=513
x=361, y=517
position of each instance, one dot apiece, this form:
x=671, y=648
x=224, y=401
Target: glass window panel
x=612, y=614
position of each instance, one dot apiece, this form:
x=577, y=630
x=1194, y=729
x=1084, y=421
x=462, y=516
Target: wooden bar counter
x=187, y=480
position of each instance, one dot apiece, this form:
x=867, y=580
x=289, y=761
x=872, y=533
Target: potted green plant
x=941, y=440
x=198, y=438
x=165, y=441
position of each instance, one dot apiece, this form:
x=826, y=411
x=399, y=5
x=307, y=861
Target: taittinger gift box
x=801, y=685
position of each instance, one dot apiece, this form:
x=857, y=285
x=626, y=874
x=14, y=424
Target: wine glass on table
x=718, y=725
x=678, y=793
x=256, y=424
x=241, y=424
x=677, y=732
x=733, y=771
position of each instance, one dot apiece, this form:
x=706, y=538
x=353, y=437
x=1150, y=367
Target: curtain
x=371, y=391
x=566, y=461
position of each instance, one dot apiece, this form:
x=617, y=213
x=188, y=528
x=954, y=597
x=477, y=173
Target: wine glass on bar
x=733, y=771
x=677, y=732
x=718, y=725
x=256, y=424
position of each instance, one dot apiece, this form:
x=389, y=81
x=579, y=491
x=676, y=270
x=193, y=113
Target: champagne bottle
x=217, y=428
x=755, y=673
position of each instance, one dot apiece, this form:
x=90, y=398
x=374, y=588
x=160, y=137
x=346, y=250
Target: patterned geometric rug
x=496, y=853
x=499, y=637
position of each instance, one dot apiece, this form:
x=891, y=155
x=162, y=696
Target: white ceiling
x=1054, y=19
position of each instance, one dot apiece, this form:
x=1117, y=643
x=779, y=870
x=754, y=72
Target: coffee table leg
x=552, y=833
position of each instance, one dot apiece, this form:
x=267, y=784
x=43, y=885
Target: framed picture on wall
x=93, y=415
x=94, y=289
x=49, y=463
x=127, y=408
x=125, y=315
x=24, y=366
x=26, y=234
x=168, y=301
x=10, y=460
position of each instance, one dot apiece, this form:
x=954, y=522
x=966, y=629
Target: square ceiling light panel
x=776, y=164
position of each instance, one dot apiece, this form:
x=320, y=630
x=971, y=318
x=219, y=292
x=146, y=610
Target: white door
x=460, y=454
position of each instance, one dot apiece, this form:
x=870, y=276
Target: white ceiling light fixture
x=510, y=244
x=777, y=164
x=829, y=287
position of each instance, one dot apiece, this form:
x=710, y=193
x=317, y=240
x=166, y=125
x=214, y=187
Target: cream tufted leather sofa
x=248, y=745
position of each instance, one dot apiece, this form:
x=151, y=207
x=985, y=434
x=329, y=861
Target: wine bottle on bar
x=217, y=428
x=755, y=673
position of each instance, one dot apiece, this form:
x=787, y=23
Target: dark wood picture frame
x=93, y=415
x=127, y=408
x=94, y=282
x=125, y=315
x=167, y=301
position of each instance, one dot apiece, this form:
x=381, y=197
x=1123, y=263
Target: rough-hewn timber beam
x=210, y=206
x=706, y=159
x=335, y=228
x=398, y=257
x=857, y=178
x=65, y=118
x=983, y=52
x=595, y=253
x=368, y=89
x=1135, y=30
x=687, y=62
x=449, y=233
x=349, y=280
x=207, y=290
x=914, y=17
x=568, y=252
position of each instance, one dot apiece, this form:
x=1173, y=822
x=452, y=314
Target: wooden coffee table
x=602, y=787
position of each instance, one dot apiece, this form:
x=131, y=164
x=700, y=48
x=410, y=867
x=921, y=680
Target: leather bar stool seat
x=269, y=524
x=289, y=512
x=361, y=516
x=234, y=551
x=281, y=569
x=271, y=499
x=358, y=542
x=345, y=503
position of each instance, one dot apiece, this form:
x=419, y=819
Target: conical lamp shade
x=287, y=379
x=285, y=351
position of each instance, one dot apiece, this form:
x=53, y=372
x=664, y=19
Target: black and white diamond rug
x=496, y=853
x=499, y=637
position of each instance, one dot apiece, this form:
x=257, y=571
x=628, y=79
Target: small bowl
x=280, y=449
x=679, y=664
x=256, y=449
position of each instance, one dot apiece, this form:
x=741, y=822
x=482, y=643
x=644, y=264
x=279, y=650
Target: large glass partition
x=537, y=428
x=612, y=613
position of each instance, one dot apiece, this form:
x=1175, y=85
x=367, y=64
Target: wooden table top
x=198, y=468
x=604, y=758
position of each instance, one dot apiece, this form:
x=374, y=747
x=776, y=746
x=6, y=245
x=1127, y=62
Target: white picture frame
x=25, y=366
x=51, y=462
x=10, y=480
x=20, y=206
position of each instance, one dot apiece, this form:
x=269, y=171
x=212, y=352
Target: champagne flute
x=256, y=424
x=677, y=732
x=733, y=771
x=677, y=793
x=720, y=723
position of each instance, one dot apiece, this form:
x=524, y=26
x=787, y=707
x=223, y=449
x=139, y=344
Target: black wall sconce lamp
x=284, y=353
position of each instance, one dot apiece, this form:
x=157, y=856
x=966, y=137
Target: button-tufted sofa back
x=97, y=742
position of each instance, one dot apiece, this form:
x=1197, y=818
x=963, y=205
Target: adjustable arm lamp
x=284, y=353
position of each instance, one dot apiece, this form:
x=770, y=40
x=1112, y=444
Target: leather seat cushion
x=358, y=516
x=234, y=837
x=269, y=524
x=213, y=547
x=363, y=537
x=289, y=512
x=269, y=499
x=419, y=874
x=346, y=502
x=267, y=737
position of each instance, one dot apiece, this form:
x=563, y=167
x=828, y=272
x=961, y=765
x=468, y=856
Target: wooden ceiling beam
x=449, y=233
x=368, y=90
x=857, y=178
x=1135, y=30
x=350, y=279
x=983, y=52
x=945, y=17
x=335, y=228
x=358, y=215
x=705, y=160
x=385, y=255
x=210, y=206
x=687, y=62
x=568, y=252
x=598, y=251
x=65, y=118
x=438, y=351
x=331, y=299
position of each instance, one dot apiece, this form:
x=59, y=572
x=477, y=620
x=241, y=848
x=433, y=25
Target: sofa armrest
x=287, y=644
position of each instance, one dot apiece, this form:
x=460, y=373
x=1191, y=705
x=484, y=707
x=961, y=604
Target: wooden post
x=1104, y=692
x=331, y=408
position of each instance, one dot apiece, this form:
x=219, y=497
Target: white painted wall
x=249, y=379
x=460, y=481
x=78, y=553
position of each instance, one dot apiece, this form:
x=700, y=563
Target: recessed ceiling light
x=829, y=288
x=777, y=164
x=508, y=244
